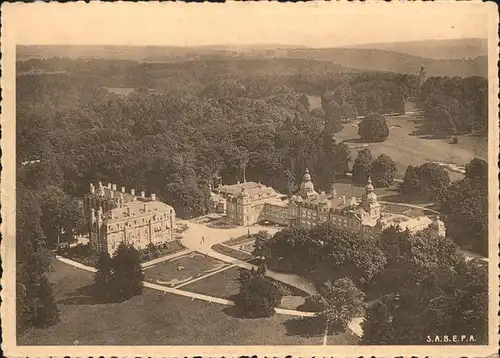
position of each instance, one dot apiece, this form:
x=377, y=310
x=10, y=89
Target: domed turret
x=307, y=186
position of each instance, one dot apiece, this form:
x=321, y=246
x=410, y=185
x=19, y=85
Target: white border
x=7, y=186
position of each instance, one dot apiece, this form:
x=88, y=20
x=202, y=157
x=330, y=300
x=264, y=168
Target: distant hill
x=356, y=58
x=382, y=60
x=435, y=49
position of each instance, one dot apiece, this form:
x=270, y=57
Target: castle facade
x=250, y=203
x=115, y=216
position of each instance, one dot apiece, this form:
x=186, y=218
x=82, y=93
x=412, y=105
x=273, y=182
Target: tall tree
x=342, y=301
x=383, y=171
x=127, y=273
x=373, y=128
x=35, y=302
x=362, y=166
x=103, y=279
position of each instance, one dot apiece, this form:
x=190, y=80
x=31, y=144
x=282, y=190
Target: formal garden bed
x=182, y=269
x=239, y=255
x=222, y=224
x=155, y=251
x=239, y=240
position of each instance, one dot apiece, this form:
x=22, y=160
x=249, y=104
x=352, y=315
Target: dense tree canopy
x=244, y=121
x=35, y=303
x=258, y=295
x=465, y=208
x=362, y=167
x=449, y=300
x=426, y=181
x=325, y=253
x=373, y=128
x=383, y=171
x=456, y=105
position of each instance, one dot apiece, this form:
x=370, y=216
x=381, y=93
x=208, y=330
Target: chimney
x=109, y=185
x=145, y=208
x=100, y=184
x=102, y=191
x=111, y=194
x=238, y=182
x=123, y=189
x=153, y=197
x=343, y=199
x=132, y=192
x=92, y=189
x=143, y=194
x=114, y=187
x=128, y=211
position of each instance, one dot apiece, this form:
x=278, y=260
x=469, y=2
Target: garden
x=182, y=269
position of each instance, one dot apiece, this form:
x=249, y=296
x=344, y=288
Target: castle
x=249, y=203
x=115, y=216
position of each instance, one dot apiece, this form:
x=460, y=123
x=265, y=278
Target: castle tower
x=243, y=202
x=370, y=203
x=307, y=186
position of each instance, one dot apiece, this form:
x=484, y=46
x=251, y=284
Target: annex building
x=115, y=216
x=250, y=203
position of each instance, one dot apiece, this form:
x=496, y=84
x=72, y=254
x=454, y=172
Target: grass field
x=224, y=285
x=407, y=147
x=158, y=319
x=179, y=270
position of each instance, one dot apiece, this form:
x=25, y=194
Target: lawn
x=405, y=146
x=347, y=189
x=224, y=285
x=239, y=255
x=182, y=269
x=159, y=319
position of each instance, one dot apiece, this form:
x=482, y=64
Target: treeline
x=456, y=105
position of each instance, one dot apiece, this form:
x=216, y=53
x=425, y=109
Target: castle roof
x=137, y=209
x=251, y=188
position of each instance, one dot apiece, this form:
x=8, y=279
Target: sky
x=324, y=24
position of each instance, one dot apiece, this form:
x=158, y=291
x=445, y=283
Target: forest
x=456, y=105
x=175, y=142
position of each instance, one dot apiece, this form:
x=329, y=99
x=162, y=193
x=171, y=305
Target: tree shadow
x=82, y=296
x=235, y=312
x=305, y=326
x=354, y=141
